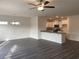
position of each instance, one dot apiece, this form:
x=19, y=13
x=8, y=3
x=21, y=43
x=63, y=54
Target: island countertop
x=53, y=32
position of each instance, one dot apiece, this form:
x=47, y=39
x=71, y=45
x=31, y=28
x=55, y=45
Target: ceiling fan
x=41, y=5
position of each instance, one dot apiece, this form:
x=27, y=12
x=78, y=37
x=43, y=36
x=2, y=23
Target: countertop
x=53, y=32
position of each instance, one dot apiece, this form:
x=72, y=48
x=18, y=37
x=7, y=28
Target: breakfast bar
x=52, y=36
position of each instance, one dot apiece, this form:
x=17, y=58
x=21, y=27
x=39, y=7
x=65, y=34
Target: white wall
x=42, y=20
x=34, y=27
x=74, y=28
x=38, y=23
x=29, y=27
x=14, y=31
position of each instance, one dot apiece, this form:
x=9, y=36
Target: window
x=3, y=22
x=15, y=23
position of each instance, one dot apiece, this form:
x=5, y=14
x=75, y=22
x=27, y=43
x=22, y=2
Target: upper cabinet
x=61, y=22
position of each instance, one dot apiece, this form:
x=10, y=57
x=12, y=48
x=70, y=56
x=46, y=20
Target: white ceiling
x=21, y=8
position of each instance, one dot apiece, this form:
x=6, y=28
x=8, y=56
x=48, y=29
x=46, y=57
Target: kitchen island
x=58, y=37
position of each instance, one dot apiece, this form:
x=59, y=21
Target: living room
x=30, y=32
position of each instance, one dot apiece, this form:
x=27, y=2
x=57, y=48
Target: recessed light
x=57, y=16
x=62, y=17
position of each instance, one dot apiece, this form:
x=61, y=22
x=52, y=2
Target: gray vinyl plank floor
x=39, y=49
x=1, y=42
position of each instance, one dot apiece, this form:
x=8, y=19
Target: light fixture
x=40, y=8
